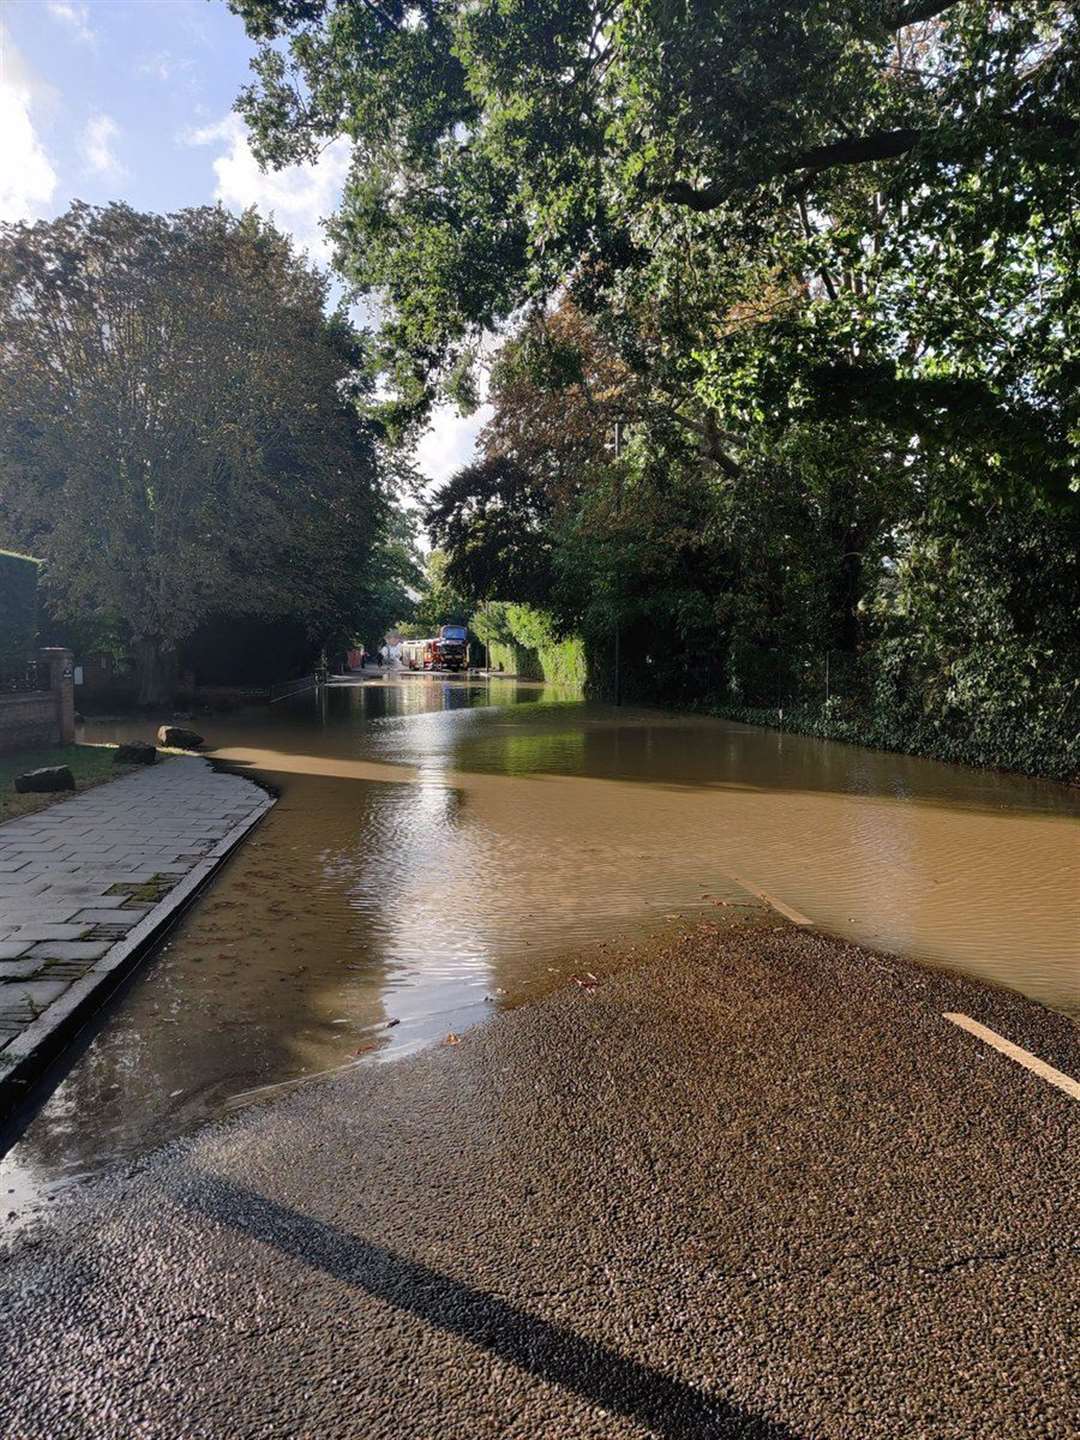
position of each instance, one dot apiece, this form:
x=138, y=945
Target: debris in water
x=173, y=1093
x=391, y=1023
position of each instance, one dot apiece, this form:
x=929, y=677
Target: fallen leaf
x=453, y=1039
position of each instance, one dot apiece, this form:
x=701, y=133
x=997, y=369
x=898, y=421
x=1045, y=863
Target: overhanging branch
x=917, y=11
x=859, y=150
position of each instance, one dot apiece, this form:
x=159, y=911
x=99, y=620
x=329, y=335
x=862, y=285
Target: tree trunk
x=850, y=593
x=156, y=669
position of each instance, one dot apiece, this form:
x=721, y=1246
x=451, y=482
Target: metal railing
x=24, y=679
x=293, y=687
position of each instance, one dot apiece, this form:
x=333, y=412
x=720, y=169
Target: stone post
x=61, y=671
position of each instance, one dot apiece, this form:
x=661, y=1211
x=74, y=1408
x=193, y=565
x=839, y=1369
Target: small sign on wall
x=78, y=675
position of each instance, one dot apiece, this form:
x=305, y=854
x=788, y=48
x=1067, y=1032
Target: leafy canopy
x=781, y=206
x=178, y=423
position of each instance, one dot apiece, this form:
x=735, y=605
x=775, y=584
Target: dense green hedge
x=1052, y=751
x=18, y=607
x=523, y=642
x=514, y=659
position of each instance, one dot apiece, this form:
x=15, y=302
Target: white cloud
x=160, y=66
x=296, y=198
x=163, y=65
x=27, y=177
x=96, y=145
x=76, y=18
x=450, y=443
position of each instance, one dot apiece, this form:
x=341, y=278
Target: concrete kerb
x=38, y=1045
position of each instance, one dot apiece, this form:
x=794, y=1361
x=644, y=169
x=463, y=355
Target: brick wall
x=29, y=720
x=32, y=718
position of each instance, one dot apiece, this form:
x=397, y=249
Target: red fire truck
x=448, y=650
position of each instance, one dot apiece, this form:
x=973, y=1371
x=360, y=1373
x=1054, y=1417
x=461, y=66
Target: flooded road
x=442, y=849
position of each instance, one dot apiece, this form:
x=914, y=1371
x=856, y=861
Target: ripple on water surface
x=442, y=849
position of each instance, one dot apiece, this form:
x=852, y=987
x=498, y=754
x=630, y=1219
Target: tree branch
x=808, y=231
x=860, y=150
x=916, y=11
x=712, y=448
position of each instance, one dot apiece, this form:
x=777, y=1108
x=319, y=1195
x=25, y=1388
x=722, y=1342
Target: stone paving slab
x=87, y=884
x=102, y=916
x=52, y=932
x=68, y=950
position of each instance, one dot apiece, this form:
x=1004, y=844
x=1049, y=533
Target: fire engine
x=448, y=650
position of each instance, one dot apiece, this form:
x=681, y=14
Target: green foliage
x=819, y=205
x=439, y=604
x=820, y=258
x=490, y=519
x=511, y=659
x=525, y=641
x=491, y=624
x=565, y=663
x=395, y=572
x=89, y=764
x=1002, y=742
x=179, y=426
x=560, y=658
x=18, y=607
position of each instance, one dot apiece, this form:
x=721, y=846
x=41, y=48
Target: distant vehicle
x=415, y=654
x=448, y=650
x=452, y=647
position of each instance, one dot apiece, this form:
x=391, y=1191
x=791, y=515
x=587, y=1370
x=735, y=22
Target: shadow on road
x=668, y=1407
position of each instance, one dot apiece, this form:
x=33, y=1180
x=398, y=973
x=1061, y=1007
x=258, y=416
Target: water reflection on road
x=444, y=848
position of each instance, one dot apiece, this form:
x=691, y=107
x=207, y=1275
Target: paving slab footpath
x=86, y=886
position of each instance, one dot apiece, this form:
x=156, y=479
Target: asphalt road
x=757, y=1188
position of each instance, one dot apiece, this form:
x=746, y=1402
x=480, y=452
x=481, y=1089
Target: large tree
x=834, y=247
x=179, y=428
x=781, y=205
x=562, y=404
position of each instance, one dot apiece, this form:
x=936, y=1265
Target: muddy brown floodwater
x=441, y=849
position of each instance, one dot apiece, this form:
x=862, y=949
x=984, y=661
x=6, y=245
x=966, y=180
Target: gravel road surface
x=756, y=1187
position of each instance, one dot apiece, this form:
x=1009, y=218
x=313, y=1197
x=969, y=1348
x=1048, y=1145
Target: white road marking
x=1014, y=1052
x=786, y=910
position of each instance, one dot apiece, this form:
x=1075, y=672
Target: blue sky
x=132, y=100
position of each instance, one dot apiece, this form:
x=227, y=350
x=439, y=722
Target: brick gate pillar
x=61, y=672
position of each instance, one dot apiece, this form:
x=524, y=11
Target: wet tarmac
x=757, y=1188
x=443, y=850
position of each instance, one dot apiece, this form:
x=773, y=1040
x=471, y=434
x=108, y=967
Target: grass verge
x=90, y=764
